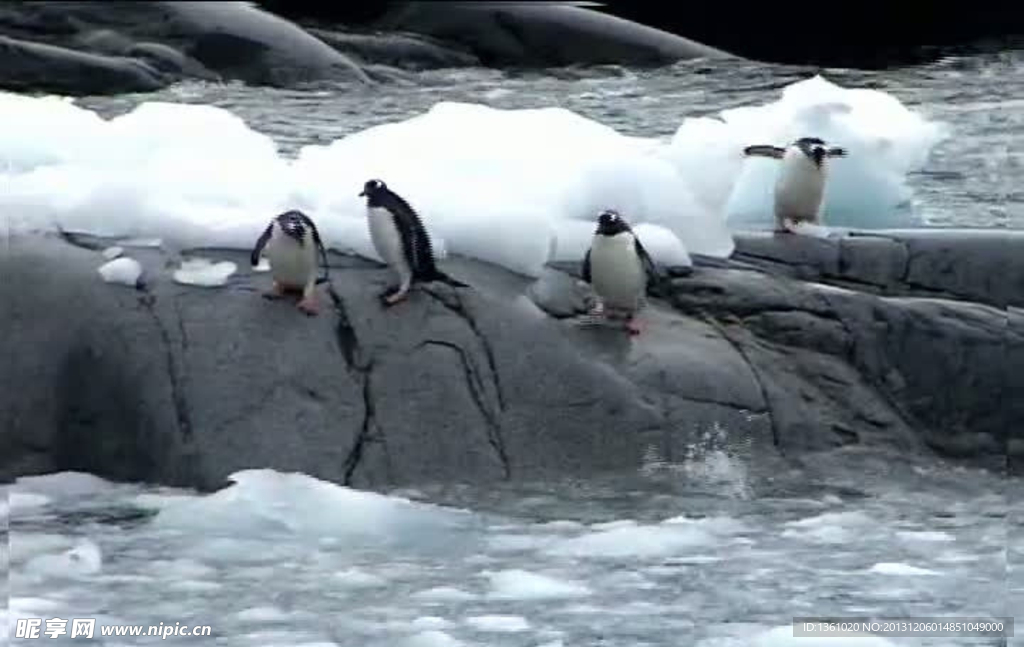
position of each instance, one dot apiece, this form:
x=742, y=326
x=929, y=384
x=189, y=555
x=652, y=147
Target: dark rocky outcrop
x=540, y=34
x=769, y=32
x=184, y=385
x=115, y=46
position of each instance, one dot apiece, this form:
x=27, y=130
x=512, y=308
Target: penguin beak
x=362, y=193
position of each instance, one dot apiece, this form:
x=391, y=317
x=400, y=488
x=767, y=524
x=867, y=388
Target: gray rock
x=973, y=265
x=185, y=385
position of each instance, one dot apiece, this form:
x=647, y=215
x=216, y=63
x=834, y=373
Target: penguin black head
x=610, y=223
x=292, y=225
x=372, y=188
x=814, y=148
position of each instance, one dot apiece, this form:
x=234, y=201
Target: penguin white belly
x=799, y=189
x=387, y=240
x=616, y=272
x=292, y=265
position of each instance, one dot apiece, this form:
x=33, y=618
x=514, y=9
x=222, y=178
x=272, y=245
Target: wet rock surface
x=184, y=385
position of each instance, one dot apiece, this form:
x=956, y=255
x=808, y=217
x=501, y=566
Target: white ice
x=122, y=271
x=432, y=638
x=443, y=594
x=884, y=139
x=896, y=568
x=518, y=584
x=627, y=539
x=111, y=253
x=498, y=623
x=514, y=187
x=264, y=501
x=85, y=558
x=203, y=272
x=64, y=485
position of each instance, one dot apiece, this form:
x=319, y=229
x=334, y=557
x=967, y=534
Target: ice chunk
x=84, y=558
x=359, y=579
x=444, y=594
x=518, y=584
x=431, y=623
x=203, y=272
x=884, y=139
x=896, y=568
x=111, y=253
x=122, y=271
x=513, y=187
x=433, y=638
x=634, y=541
x=267, y=501
x=498, y=623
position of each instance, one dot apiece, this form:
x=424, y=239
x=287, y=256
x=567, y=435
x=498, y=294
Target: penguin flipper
x=837, y=151
x=764, y=150
x=585, y=270
x=261, y=242
x=654, y=278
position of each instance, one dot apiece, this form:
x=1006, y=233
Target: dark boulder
x=184, y=385
x=114, y=47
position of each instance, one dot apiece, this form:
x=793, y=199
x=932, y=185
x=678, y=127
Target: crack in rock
x=459, y=309
x=181, y=408
x=348, y=343
x=494, y=419
x=476, y=391
x=346, y=334
x=355, y=455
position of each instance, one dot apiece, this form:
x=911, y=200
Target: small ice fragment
x=895, y=568
x=142, y=242
x=123, y=271
x=518, y=584
x=444, y=594
x=498, y=623
x=204, y=273
x=111, y=253
x=425, y=623
x=431, y=638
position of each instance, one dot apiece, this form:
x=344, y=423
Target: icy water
x=722, y=549
x=714, y=551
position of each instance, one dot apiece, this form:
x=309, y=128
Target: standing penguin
x=401, y=240
x=800, y=186
x=619, y=269
x=292, y=243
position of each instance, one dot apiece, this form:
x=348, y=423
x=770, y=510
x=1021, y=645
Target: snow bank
x=514, y=187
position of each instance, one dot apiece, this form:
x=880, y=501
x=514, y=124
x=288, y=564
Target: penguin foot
x=309, y=306
x=393, y=295
x=634, y=326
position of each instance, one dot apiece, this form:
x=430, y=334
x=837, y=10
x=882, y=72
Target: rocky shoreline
x=908, y=343
x=105, y=47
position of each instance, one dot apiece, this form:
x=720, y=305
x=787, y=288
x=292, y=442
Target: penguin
x=800, y=186
x=401, y=240
x=292, y=243
x=619, y=269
